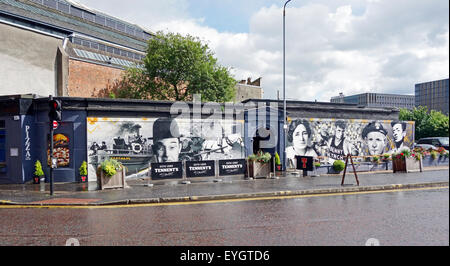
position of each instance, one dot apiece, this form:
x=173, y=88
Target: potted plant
x=338, y=166
x=111, y=174
x=406, y=162
x=277, y=161
x=83, y=172
x=376, y=159
x=38, y=173
x=259, y=164
x=434, y=154
x=386, y=157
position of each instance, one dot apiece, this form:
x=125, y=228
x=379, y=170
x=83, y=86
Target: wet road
x=397, y=218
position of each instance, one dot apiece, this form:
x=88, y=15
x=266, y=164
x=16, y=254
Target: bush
x=386, y=156
x=338, y=166
x=277, y=159
x=83, y=169
x=434, y=154
x=260, y=157
x=110, y=167
x=376, y=159
x=38, y=169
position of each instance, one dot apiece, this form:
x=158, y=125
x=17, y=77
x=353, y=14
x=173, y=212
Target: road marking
x=217, y=201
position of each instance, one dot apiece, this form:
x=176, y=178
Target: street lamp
x=284, y=81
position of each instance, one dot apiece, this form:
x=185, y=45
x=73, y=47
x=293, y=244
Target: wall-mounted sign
x=167, y=170
x=304, y=163
x=61, y=150
x=14, y=152
x=27, y=144
x=232, y=167
x=200, y=169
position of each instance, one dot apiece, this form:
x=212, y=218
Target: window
x=76, y=12
x=50, y=3
x=63, y=7
x=110, y=23
x=88, y=16
x=100, y=20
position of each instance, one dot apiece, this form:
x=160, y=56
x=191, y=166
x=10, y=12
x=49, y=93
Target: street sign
x=166, y=170
x=305, y=163
x=200, y=169
x=232, y=167
x=55, y=124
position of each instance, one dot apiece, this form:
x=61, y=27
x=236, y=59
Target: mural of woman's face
x=300, y=137
x=376, y=142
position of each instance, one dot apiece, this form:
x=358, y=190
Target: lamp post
x=284, y=82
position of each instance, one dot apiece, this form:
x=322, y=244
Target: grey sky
x=332, y=46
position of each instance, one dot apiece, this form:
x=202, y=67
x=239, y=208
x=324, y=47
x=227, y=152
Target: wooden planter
x=406, y=165
x=115, y=181
x=258, y=170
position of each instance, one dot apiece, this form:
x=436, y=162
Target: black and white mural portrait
x=328, y=139
x=137, y=142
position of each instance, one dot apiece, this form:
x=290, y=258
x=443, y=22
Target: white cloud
x=349, y=46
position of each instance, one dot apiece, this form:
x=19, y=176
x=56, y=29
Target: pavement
x=290, y=184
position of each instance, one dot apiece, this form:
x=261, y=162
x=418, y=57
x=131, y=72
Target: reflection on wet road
x=394, y=218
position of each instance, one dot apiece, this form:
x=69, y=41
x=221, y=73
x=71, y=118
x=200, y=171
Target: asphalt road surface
x=419, y=217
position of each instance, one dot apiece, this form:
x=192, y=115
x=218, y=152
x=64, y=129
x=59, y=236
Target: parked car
x=434, y=141
x=425, y=146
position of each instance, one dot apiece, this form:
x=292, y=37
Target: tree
x=177, y=67
x=428, y=124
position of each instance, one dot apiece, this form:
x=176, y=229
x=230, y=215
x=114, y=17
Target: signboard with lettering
x=167, y=170
x=304, y=163
x=232, y=167
x=200, y=169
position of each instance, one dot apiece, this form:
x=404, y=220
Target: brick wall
x=90, y=80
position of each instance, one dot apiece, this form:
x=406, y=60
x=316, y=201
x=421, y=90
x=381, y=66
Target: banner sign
x=304, y=163
x=232, y=167
x=200, y=169
x=167, y=170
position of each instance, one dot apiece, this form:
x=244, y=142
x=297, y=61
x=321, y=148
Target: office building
x=433, y=95
x=378, y=100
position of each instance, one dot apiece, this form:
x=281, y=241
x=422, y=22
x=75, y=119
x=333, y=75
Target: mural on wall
x=329, y=140
x=61, y=150
x=137, y=142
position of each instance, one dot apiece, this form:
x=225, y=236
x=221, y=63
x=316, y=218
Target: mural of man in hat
x=166, y=141
x=374, y=136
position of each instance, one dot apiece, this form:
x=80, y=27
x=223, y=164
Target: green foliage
x=110, y=167
x=434, y=154
x=260, y=157
x=177, y=67
x=316, y=164
x=277, y=159
x=376, y=159
x=83, y=169
x=338, y=166
x=386, y=156
x=38, y=169
x=428, y=124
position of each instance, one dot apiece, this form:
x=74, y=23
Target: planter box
x=406, y=165
x=256, y=169
x=115, y=181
